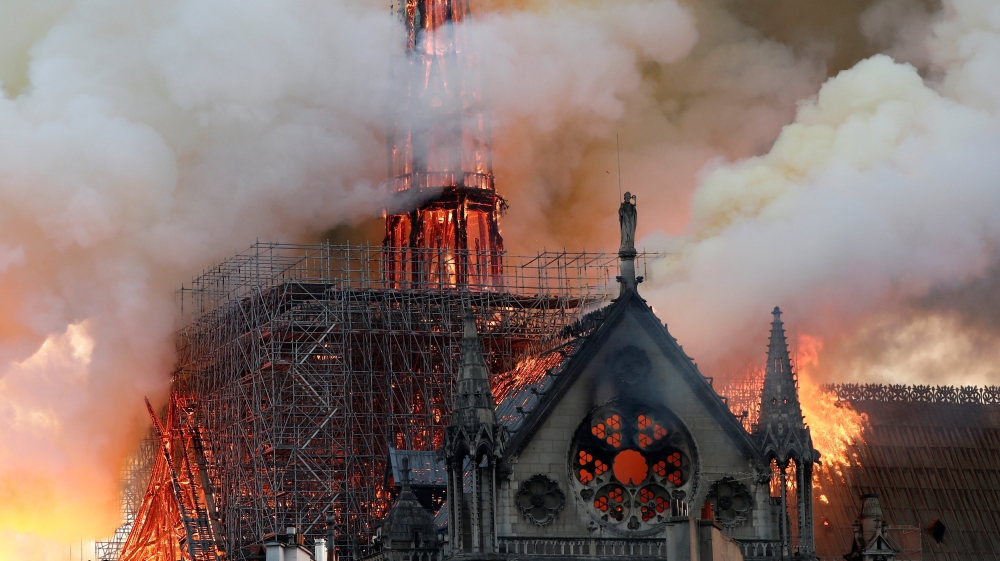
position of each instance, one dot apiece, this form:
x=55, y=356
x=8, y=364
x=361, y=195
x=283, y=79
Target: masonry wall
x=548, y=452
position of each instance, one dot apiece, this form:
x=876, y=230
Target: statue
x=627, y=218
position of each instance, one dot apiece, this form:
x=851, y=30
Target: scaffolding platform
x=304, y=363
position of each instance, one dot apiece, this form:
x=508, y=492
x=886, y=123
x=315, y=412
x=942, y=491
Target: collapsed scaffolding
x=302, y=364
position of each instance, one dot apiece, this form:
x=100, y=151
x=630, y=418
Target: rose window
x=627, y=458
x=731, y=501
x=540, y=499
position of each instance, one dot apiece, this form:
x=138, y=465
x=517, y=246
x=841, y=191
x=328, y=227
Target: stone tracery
x=627, y=456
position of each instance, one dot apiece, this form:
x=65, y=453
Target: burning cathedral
x=609, y=453
x=436, y=397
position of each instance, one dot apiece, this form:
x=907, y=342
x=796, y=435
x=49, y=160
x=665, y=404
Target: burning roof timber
x=932, y=455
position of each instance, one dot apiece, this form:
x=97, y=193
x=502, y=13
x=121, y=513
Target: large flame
x=136, y=154
x=835, y=425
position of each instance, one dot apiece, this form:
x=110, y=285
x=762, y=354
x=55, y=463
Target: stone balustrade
x=576, y=547
x=760, y=550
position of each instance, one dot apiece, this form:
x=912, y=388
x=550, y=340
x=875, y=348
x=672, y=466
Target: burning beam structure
x=177, y=518
x=302, y=364
x=439, y=155
x=134, y=482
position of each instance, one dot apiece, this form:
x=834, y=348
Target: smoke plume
x=139, y=143
x=142, y=141
x=872, y=210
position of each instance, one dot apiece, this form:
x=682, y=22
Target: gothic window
x=540, y=499
x=627, y=458
x=630, y=364
x=731, y=501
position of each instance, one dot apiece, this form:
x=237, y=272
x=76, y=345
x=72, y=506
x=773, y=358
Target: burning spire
x=441, y=226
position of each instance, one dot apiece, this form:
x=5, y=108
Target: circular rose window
x=626, y=459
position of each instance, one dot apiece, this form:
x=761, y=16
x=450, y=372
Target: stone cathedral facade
x=621, y=449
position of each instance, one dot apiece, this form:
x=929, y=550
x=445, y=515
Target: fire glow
x=834, y=425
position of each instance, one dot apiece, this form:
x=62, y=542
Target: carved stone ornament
x=732, y=501
x=626, y=460
x=540, y=499
x=631, y=364
x=627, y=221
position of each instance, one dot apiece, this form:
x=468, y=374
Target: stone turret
x=472, y=448
x=408, y=525
x=870, y=542
x=781, y=426
x=783, y=436
x=474, y=406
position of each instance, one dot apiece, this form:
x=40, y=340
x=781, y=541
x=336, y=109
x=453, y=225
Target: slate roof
x=537, y=374
x=926, y=461
x=441, y=518
x=525, y=409
x=426, y=469
x=406, y=516
x=519, y=390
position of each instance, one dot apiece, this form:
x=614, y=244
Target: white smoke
x=882, y=191
x=139, y=142
x=142, y=141
x=680, y=85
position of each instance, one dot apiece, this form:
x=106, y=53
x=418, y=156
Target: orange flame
x=834, y=425
x=528, y=372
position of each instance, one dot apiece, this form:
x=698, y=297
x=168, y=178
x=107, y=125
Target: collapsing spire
x=440, y=155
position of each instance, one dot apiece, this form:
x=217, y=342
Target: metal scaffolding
x=134, y=482
x=303, y=363
x=742, y=392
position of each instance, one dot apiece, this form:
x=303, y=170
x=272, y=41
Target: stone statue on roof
x=627, y=219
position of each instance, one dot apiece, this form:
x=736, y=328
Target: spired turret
x=473, y=446
x=870, y=542
x=783, y=436
x=781, y=427
x=474, y=406
x=407, y=526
